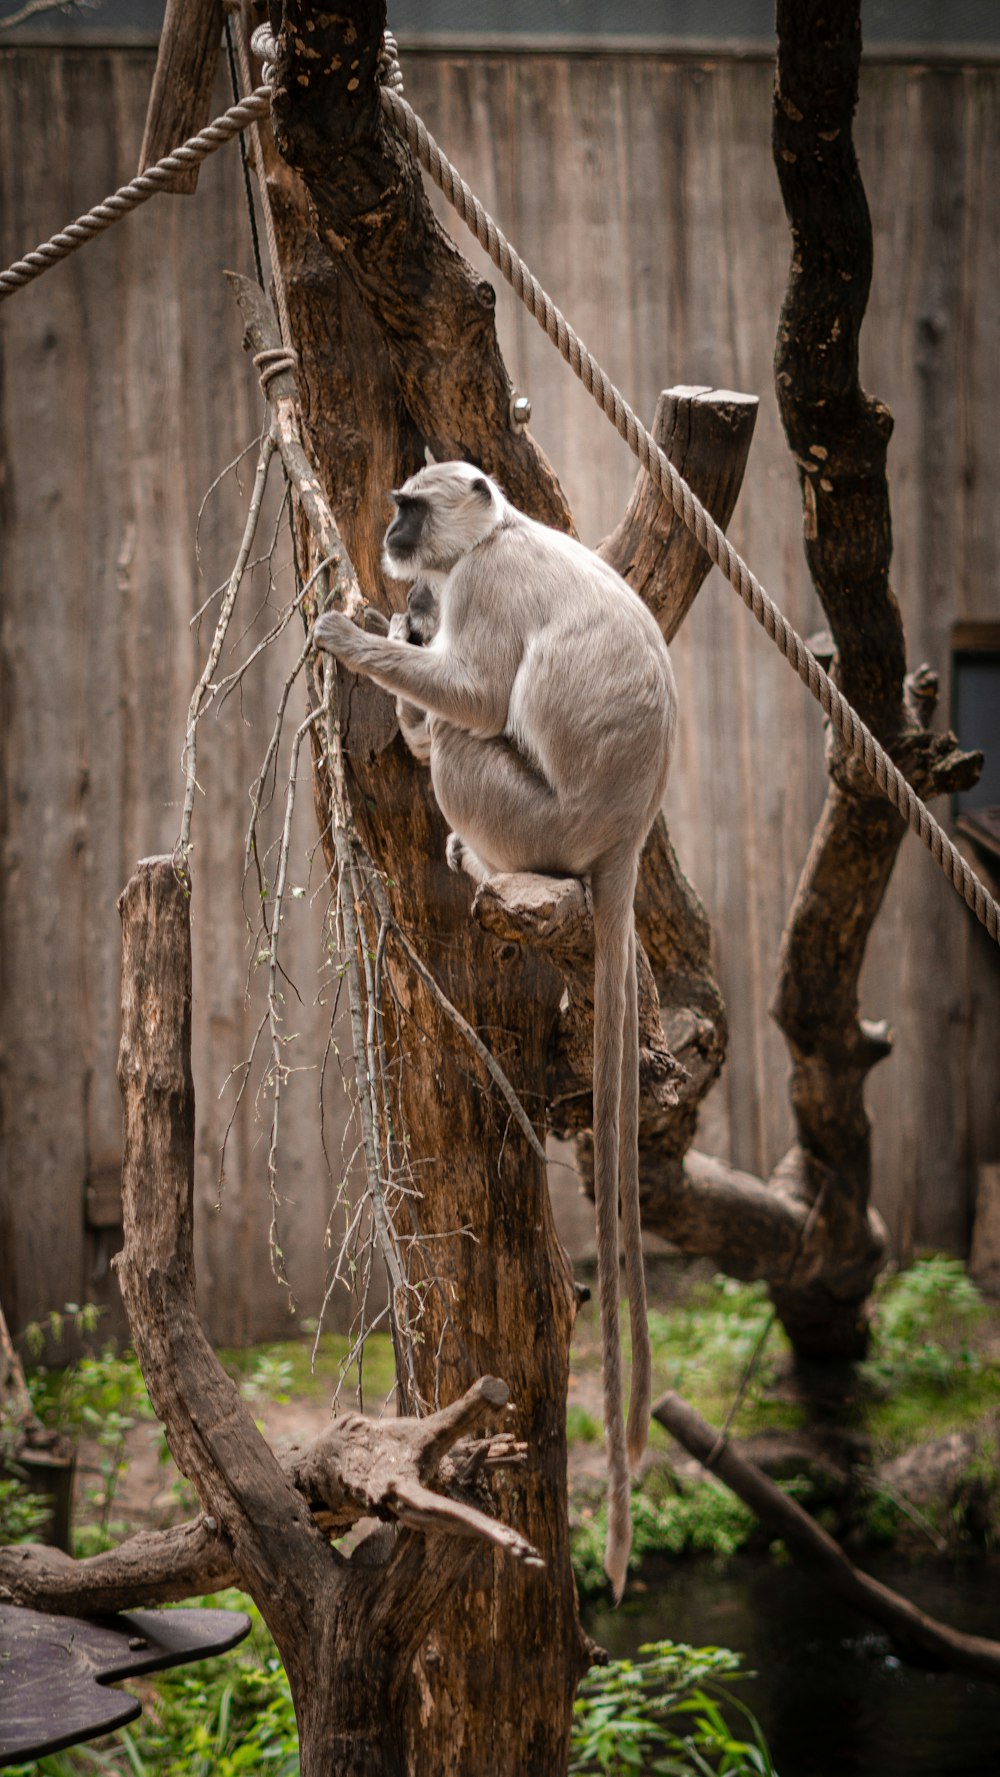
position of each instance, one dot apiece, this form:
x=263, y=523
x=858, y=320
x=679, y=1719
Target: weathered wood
x=154, y=1567
x=918, y=1636
x=56, y=1671
x=324, y=1613
x=180, y=103
x=706, y=433
x=392, y=318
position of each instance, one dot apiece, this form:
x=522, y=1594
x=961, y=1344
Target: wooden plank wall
x=642, y=193
x=125, y=393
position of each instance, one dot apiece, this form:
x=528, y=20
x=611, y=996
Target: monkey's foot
x=462, y=859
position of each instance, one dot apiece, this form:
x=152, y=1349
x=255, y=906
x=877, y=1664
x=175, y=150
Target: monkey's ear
x=482, y=487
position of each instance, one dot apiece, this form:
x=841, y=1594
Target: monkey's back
x=591, y=699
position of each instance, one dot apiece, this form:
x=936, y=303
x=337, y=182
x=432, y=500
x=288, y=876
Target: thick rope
x=857, y=737
x=138, y=191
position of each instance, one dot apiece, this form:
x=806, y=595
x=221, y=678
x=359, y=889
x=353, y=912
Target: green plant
x=704, y=1344
x=100, y=1396
x=271, y=1379
x=665, y=1716
x=702, y=1518
x=581, y=1426
x=921, y=1324
x=22, y=1513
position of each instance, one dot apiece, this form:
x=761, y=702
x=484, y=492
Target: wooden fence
x=642, y=193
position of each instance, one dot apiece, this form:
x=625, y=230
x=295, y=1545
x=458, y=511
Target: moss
x=285, y=1368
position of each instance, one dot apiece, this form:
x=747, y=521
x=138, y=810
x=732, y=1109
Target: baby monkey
x=545, y=703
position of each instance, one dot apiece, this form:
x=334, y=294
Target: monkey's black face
x=402, y=539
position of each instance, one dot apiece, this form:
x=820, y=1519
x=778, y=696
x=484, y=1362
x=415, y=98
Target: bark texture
x=839, y=435
x=375, y=283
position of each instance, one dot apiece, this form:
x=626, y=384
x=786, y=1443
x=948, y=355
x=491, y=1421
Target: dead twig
x=203, y=690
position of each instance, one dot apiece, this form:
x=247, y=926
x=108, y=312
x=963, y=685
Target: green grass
x=934, y=1365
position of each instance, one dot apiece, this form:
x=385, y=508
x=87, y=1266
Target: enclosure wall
x=642, y=192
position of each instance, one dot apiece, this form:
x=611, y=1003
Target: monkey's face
x=441, y=513
x=403, y=552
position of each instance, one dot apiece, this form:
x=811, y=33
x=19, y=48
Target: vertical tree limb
x=839, y=436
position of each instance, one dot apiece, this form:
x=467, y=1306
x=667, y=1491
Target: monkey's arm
x=436, y=681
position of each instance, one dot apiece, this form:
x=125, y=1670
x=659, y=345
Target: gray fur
x=550, y=713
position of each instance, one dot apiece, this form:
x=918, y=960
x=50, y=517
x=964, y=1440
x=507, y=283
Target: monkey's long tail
x=613, y=892
x=641, y=1382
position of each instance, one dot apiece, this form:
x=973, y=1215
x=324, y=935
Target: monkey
x=549, y=716
x=417, y=625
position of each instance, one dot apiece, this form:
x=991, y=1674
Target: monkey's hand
x=335, y=634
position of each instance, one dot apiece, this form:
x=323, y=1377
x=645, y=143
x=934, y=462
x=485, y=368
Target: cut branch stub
x=354, y=1469
x=362, y=1467
x=706, y=433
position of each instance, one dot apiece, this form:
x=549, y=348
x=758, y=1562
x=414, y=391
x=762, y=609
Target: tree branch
x=706, y=433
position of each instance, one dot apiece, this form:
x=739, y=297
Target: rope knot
x=265, y=47
x=388, y=70
x=273, y=362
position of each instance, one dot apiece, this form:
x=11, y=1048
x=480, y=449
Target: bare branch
x=203, y=689
x=286, y=431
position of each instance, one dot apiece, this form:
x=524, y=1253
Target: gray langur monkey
x=545, y=702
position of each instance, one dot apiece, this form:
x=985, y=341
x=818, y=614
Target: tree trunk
x=492, y=1688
